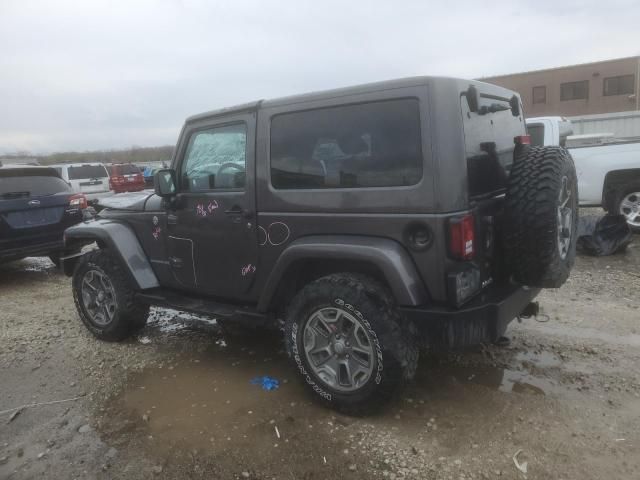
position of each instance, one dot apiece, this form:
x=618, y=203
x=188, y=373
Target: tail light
x=115, y=180
x=78, y=201
x=462, y=234
x=522, y=140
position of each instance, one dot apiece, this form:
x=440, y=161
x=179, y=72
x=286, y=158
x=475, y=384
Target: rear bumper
x=484, y=319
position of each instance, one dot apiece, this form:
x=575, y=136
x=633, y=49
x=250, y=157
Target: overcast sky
x=83, y=75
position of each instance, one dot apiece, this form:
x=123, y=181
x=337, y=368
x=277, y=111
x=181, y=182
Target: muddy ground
x=177, y=402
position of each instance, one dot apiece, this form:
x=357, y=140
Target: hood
x=126, y=201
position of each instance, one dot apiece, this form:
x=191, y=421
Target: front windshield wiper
x=16, y=194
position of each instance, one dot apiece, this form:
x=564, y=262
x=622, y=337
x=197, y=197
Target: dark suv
x=36, y=206
x=371, y=220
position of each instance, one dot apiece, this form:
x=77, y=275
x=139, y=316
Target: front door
x=211, y=224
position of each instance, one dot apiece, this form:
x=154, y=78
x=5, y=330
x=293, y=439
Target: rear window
x=87, y=171
x=125, y=169
x=537, y=134
x=19, y=182
x=489, y=143
x=365, y=145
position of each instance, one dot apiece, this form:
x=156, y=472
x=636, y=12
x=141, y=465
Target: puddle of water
x=208, y=400
x=501, y=379
x=201, y=413
x=526, y=374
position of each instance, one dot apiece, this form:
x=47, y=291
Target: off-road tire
x=393, y=337
x=130, y=316
x=613, y=206
x=530, y=226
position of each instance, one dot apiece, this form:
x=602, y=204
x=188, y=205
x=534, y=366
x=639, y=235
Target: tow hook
x=530, y=310
x=533, y=310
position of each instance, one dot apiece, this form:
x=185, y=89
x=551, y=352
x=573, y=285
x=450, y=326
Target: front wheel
x=104, y=297
x=349, y=343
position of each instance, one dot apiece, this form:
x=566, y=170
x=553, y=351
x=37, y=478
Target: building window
x=622, y=85
x=540, y=94
x=574, y=90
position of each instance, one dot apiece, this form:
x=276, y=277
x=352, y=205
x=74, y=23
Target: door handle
x=238, y=210
x=172, y=219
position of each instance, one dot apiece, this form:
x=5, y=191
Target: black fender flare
x=121, y=240
x=389, y=256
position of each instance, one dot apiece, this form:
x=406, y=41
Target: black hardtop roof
x=338, y=92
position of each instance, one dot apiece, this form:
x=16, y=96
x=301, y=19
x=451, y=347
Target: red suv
x=125, y=177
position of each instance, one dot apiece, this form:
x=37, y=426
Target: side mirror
x=472, y=98
x=164, y=182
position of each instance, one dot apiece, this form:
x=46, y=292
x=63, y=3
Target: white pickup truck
x=608, y=168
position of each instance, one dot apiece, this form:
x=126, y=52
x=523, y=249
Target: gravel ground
x=177, y=402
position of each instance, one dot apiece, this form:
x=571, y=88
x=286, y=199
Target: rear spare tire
x=541, y=215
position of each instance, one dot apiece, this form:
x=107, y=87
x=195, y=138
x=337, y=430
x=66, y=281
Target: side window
x=622, y=85
x=215, y=159
x=489, y=143
x=365, y=145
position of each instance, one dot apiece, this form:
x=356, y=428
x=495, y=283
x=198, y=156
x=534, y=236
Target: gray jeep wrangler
x=371, y=221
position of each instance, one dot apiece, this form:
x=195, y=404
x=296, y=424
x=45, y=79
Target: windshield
x=87, y=171
x=127, y=169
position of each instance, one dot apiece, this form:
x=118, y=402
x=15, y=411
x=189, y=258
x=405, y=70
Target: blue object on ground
x=267, y=383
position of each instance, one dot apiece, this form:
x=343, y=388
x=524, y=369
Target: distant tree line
x=131, y=155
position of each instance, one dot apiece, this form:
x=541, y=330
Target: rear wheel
x=104, y=297
x=349, y=342
x=627, y=202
